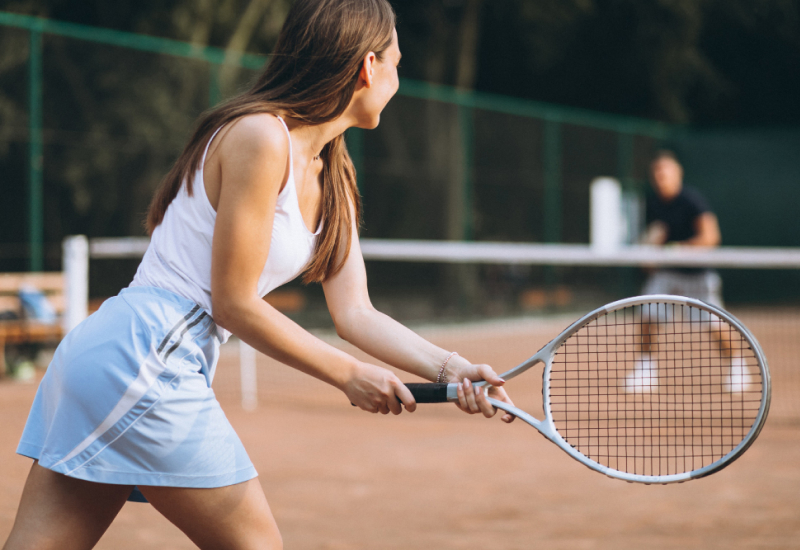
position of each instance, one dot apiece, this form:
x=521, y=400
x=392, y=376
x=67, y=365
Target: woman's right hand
x=378, y=390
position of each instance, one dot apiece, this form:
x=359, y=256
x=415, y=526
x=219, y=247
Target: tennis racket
x=651, y=389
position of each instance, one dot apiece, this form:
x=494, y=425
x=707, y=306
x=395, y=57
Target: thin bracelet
x=440, y=379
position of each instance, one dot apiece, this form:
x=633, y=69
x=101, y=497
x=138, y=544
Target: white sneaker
x=739, y=380
x=644, y=378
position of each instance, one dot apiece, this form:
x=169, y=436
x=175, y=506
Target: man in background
x=679, y=216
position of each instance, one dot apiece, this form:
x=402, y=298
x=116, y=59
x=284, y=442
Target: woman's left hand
x=473, y=399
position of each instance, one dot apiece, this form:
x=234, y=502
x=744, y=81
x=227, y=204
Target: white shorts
x=127, y=399
x=703, y=285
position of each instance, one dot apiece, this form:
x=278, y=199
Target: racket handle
x=429, y=393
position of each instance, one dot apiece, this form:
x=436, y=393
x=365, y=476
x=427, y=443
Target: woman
x=264, y=190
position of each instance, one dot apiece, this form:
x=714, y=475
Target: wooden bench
x=22, y=330
x=52, y=284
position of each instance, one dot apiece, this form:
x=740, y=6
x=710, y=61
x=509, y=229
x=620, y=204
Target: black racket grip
x=429, y=393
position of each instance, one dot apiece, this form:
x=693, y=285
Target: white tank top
x=178, y=258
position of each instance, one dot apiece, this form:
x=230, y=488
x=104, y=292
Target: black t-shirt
x=679, y=215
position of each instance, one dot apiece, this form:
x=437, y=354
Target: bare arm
x=253, y=163
x=706, y=231
x=706, y=234
x=655, y=234
x=358, y=322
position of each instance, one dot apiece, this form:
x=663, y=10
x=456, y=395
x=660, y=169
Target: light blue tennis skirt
x=128, y=399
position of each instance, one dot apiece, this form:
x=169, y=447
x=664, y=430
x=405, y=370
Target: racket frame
x=548, y=428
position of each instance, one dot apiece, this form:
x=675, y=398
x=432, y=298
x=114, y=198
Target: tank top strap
x=289, y=137
x=205, y=152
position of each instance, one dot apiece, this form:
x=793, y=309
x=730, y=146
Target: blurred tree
x=441, y=39
x=119, y=118
x=756, y=45
x=674, y=60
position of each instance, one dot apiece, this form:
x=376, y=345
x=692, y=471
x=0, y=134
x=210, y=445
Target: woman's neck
x=310, y=140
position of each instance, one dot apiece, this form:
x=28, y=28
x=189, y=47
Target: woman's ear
x=368, y=69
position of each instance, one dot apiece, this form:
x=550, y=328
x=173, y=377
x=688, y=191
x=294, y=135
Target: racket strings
x=657, y=389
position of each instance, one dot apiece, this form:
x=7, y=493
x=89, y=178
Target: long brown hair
x=311, y=77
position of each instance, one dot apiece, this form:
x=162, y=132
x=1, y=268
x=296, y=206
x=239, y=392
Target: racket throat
x=543, y=428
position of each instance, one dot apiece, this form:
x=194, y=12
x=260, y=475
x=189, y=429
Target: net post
x=75, y=264
x=607, y=225
x=248, y=376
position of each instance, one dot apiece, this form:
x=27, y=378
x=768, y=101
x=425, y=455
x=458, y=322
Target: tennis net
x=498, y=303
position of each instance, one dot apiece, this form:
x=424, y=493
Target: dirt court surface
x=340, y=479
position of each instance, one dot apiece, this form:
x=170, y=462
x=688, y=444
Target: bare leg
x=738, y=378
x=723, y=339
x=234, y=517
x=649, y=337
x=63, y=513
x=644, y=376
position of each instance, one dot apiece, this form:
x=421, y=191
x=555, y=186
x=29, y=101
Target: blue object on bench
x=35, y=305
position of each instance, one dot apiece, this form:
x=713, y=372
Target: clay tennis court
x=338, y=478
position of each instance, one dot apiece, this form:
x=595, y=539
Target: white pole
x=607, y=225
x=247, y=374
x=75, y=262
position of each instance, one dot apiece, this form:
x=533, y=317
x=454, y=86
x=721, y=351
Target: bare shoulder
x=259, y=136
